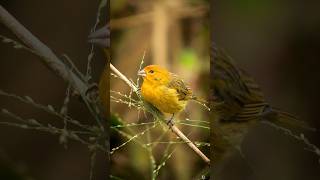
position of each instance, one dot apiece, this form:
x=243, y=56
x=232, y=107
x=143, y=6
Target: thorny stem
x=174, y=128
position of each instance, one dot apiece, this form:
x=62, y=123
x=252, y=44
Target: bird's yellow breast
x=163, y=98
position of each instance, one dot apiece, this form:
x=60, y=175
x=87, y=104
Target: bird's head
x=154, y=74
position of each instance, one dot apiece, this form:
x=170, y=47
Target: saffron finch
x=165, y=90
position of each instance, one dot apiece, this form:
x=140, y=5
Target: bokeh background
x=64, y=26
x=175, y=35
x=277, y=42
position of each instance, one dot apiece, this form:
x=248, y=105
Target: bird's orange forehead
x=154, y=68
x=155, y=74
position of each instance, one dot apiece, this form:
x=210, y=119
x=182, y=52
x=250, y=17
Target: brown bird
x=238, y=103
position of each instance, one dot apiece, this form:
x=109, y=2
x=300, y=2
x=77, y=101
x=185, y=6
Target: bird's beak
x=142, y=73
x=100, y=37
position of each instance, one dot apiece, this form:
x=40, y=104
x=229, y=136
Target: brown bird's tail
x=285, y=120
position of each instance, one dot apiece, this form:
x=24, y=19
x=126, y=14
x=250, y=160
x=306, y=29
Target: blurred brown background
x=64, y=26
x=278, y=43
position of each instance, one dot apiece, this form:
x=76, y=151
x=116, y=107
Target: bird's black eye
x=151, y=71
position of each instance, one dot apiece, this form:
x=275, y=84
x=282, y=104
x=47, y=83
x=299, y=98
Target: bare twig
x=102, y=4
x=174, y=128
x=190, y=144
x=49, y=109
x=123, y=77
x=311, y=147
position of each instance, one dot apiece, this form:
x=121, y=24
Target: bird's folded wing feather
x=240, y=96
x=184, y=92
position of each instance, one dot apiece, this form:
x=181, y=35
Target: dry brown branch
x=174, y=128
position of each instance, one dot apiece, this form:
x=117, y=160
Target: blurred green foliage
x=188, y=58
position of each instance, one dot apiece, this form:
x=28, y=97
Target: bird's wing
x=251, y=111
x=238, y=94
x=184, y=92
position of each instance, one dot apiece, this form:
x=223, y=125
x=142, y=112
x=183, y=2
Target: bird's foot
x=170, y=123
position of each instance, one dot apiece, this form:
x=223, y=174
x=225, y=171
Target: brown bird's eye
x=151, y=71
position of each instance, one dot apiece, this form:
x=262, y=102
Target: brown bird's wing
x=184, y=92
x=236, y=93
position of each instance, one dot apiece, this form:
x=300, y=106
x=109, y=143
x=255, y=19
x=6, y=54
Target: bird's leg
x=170, y=121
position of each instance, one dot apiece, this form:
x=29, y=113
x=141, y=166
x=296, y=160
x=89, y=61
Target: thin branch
x=133, y=138
x=49, y=109
x=311, y=147
x=123, y=77
x=102, y=4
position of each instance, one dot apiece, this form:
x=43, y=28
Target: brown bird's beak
x=142, y=73
x=101, y=37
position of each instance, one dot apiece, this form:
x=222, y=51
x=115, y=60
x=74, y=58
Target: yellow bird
x=165, y=90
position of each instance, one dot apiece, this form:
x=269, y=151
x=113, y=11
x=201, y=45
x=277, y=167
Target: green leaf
x=115, y=120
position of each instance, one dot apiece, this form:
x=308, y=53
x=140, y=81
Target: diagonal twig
x=48, y=57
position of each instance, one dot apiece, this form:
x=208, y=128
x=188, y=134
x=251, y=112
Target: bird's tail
x=286, y=120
